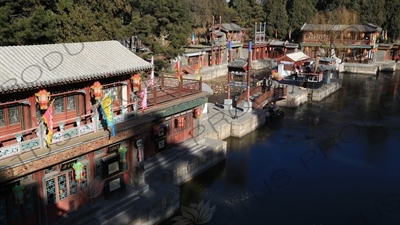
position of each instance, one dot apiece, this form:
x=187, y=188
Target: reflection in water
x=333, y=162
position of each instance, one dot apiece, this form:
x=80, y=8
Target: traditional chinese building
x=75, y=121
x=355, y=43
x=215, y=50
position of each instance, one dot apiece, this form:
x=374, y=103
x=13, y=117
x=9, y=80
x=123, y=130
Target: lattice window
x=2, y=118
x=59, y=105
x=10, y=116
x=51, y=191
x=13, y=115
x=71, y=103
x=73, y=185
x=62, y=186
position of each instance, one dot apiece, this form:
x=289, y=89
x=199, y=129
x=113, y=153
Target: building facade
x=60, y=90
x=353, y=43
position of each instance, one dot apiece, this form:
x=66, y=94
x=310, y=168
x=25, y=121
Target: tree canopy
x=166, y=25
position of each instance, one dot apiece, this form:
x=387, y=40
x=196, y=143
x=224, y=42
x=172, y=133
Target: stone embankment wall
x=359, y=69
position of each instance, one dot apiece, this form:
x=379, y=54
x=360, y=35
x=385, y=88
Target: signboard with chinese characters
x=113, y=148
x=67, y=165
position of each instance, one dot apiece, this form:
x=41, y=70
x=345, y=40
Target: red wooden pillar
x=32, y=108
x=155, y=96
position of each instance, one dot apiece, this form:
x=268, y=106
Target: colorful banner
x=47, y=119
x=106, y=108
x=152, y=72
x=144, y=99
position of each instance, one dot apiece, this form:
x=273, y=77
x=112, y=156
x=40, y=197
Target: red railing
x=270, y=95
x=33, y=138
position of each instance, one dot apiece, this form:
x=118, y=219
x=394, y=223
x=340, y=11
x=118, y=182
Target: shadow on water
x=332, y=162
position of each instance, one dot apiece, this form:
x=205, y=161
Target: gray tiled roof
x=227, y=27
x=231, y=27
x=338, y=27
x=277, y=43
x=34, y=66
x=238, y=63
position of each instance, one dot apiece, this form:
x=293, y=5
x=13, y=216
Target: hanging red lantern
x=181, y=121
x=197, y=113
x=96, y=91
x=43, y=98
x=136, y=81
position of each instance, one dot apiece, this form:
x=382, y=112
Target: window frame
x=65, y=114
x=11, y=128
x=56, y=174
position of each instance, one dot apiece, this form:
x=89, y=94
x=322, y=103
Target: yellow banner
x=107, y=106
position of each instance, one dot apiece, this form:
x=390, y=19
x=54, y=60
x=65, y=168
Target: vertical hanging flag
x=276, y=33
x=386, y=35
x=106, y=108
x=47, y=119
x=290, y=35
x=193, y=40
x=144, y=99
x=152, y=72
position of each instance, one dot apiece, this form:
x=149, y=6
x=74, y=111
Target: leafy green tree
x=23, y=22
x=392, y=22
x=248, y=11
x=348, y=4
x=299, y=12
x=372, y=11
x=200, y=12
x=277, y=18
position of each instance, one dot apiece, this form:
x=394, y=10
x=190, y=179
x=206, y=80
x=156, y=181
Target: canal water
x=332, y=162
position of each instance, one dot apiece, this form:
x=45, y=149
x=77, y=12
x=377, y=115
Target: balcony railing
x=327, y=41
x=35, y=137
x=270, y=95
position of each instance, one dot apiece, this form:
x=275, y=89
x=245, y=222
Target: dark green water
x=333, y=162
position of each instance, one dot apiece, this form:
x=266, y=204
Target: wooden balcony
x=34, y=138
x=327, y=41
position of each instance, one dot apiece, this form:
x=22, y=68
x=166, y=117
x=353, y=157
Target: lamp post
x=293, y=81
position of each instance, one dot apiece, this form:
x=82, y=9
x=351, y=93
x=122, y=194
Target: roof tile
x=33, y=65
